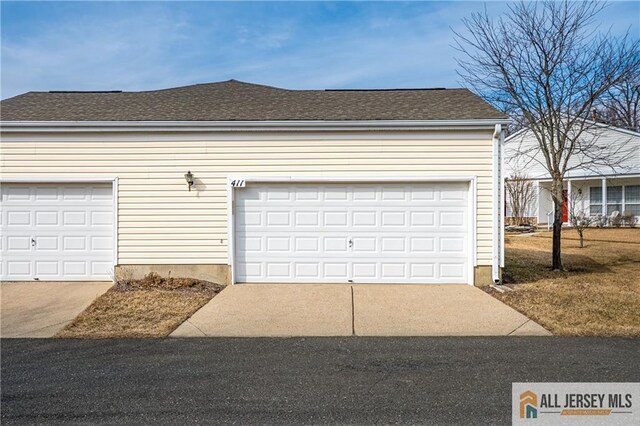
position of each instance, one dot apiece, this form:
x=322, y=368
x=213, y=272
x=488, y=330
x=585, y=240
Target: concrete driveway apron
x=41, y=309
x=287, y=310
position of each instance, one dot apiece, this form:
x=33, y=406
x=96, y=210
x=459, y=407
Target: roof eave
x=230, y=126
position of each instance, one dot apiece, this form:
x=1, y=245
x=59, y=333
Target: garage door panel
x=423, y=271
x=101, y=243
x=57, y=231
x=20, y=269
x=416, y=233
x=46, y=243
x=335, y=271
x=101, y=268
x=19, y=217
x=452, y=270
x=16, y=193
x=307, y=244
x=18, y=243
x=47, y=268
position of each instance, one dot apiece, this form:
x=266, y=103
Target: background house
x=587, y=185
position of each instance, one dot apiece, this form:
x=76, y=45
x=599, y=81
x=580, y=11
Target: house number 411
x=238, y=183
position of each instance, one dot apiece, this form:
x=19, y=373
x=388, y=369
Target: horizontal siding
x=522, y=157
x=159, y=221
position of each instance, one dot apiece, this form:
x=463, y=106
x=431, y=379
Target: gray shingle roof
x=237, y=101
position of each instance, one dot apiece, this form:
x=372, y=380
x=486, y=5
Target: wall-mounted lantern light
x=189, y=178
x=580, y=191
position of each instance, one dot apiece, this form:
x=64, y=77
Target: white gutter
x=503, y=198
x=497, y=222
x=230, y=126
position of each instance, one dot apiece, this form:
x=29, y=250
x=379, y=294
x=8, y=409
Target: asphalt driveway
x=288, y=310
x=354, y=380
x=41, y=309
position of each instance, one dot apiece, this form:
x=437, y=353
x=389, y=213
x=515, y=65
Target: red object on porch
x=565, y=207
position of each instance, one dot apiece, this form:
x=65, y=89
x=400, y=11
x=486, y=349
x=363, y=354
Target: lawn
x=151, y=307
x=598, y=294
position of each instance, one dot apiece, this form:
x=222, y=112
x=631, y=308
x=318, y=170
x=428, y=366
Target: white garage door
x=362, y=233
x=56, y=232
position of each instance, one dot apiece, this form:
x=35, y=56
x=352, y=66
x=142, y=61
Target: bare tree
x=621, y=105
x=579, y=218
x=544, y=64
x=521, y=194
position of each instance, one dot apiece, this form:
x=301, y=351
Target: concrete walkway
x=286, y=310
x=41, y=309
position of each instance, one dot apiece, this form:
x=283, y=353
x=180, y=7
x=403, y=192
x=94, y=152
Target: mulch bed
x=153, y=281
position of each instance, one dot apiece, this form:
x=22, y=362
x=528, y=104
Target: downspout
x=503, y=198
x=497, y=208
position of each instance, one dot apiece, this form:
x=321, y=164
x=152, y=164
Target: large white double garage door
x=56, y=232
x=352, y=232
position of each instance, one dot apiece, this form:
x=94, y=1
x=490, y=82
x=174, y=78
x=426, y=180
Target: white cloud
x=168, y=44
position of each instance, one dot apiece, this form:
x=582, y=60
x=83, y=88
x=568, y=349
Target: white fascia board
x=234, y=126
x=590, y=177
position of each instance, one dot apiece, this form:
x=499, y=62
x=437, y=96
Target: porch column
x=604, y=196
x=537, y=202
x=569, y=201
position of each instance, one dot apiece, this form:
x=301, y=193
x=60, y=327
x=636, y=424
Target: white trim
x=231, y=235
x=186, y=126
x=570, y=205
x=473, y=207
x=503, y=198
x=114, y=191
x=604, y=197
x=536, y=184
x=592, y=177
x=470, y=179
x=10, y=179
x=347, y=179
x=495, y=258
x=450, y=134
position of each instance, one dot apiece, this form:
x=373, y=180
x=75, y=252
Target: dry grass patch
x=151, y=307
x=597, y=295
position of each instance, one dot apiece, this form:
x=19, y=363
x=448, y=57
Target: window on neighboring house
x=614, y=199
x=632, y=199
x=595, y=200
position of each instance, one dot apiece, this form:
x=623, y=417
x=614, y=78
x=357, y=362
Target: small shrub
x=616, y=221
x=629, y=219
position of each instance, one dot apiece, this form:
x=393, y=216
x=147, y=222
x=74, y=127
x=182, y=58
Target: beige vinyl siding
x=161, y=222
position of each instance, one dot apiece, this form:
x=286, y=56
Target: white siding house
x=585, y=186
x=288, y=186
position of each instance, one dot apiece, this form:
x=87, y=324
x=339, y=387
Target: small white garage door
x=57, y=232
x=361, y=233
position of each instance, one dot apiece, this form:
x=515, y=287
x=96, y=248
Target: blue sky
x=150, y=45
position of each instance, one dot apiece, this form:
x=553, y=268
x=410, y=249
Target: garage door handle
x=350, y=243
x=33, y=242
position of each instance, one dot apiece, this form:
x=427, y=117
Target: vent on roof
x=85, y=91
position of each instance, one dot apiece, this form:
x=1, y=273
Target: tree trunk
x=558, y=200
x=581, y=239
